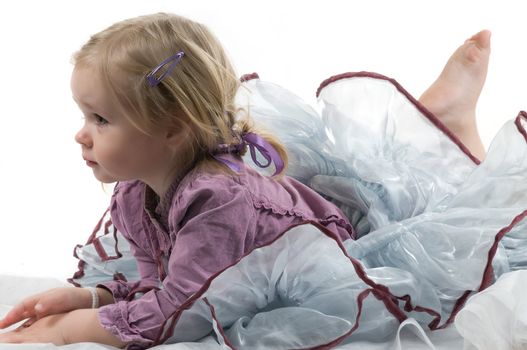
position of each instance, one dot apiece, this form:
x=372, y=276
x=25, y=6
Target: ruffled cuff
x=114, y=318
x=119, y=289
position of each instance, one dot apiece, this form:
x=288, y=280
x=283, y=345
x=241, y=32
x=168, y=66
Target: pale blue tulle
x=427, y=216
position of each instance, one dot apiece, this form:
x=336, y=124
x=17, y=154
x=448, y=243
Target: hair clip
x=172, y=60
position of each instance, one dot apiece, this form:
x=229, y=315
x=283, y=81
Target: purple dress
x=205, y=223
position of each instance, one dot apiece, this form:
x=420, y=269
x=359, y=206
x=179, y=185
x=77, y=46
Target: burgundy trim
x=107, y=225
x=220, y=328
x=119, y=255
x=78, y=274
x=75, y=251
x=342, y=223
x=360, y=299
x=100, y=250
x=247, y=77
x=80, y=266
x=92, y=239
x=119, y=277
x=438, y=123
x=381, y=292
x=519, y=125
x=434, y=325
x=488, y=274
x=187, y=304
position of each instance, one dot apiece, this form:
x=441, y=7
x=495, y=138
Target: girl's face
x=114, y=148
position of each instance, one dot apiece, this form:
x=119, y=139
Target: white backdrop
x=50, y=200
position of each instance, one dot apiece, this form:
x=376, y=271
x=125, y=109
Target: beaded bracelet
x=94, y=297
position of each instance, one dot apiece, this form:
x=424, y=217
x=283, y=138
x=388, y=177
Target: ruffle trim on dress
x=399, y=306
x=522, y=116
x=209, y=307
x=419, y=105
x=101, y=229
x=258, y=204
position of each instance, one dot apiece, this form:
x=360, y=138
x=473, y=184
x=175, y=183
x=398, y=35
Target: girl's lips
x=90, y=163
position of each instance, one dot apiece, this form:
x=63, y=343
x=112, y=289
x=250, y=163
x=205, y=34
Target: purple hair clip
x=173, y=60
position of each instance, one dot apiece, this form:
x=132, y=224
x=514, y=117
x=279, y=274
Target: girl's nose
x=83, y=137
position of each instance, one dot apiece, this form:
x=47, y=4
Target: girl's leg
x=454, y=95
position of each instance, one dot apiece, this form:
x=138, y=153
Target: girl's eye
x=99, y=120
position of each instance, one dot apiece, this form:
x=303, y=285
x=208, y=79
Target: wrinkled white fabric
x=496, y=318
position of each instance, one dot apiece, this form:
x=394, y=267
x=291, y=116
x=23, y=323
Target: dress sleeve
x=146, y=266
x=215, y=232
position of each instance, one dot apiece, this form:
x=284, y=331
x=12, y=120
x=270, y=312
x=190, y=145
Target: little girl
x=157, y=93
x=158, y=96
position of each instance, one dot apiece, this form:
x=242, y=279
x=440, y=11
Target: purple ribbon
x=254, y=142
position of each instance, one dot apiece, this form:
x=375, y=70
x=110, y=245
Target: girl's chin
x=105, y=178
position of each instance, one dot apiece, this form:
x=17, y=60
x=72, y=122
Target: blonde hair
x=198, y=95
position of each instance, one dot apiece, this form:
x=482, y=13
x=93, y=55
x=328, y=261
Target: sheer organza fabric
x=434, y=226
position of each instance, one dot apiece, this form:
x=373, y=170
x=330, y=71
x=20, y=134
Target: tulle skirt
x=435, y=225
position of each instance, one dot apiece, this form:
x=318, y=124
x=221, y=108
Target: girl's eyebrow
x=82, y=103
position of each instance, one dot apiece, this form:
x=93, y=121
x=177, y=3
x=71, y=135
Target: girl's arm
x=73, y=327
x=53, y=301
x=84, y=326
x=216, y=233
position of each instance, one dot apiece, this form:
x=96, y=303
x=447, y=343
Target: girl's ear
x=178, y=137
x=178, y=134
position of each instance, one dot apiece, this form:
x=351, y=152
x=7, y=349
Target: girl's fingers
x=54, y=302
x=15, y=315
x=28, y=323
x=10, y=337
x=57, y=300
x=21, y=311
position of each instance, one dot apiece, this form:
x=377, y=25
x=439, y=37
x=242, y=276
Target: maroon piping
x=438, y=123
x=381, y=292
x=99, y=249
x=80, y=266
x=250, y=76
x=519, y=125
x=220, y=328
x=488, y=274
x=360, y=299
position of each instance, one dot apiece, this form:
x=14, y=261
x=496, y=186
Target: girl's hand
x=73, y=327
x=45, y=330
x=53, y=301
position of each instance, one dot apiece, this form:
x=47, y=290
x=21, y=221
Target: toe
x=476, y=49
x=481, y=39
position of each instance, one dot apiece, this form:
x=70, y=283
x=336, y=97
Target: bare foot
x=454, y=95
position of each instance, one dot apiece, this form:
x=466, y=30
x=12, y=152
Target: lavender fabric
x=254, y=142
x=205, y=223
